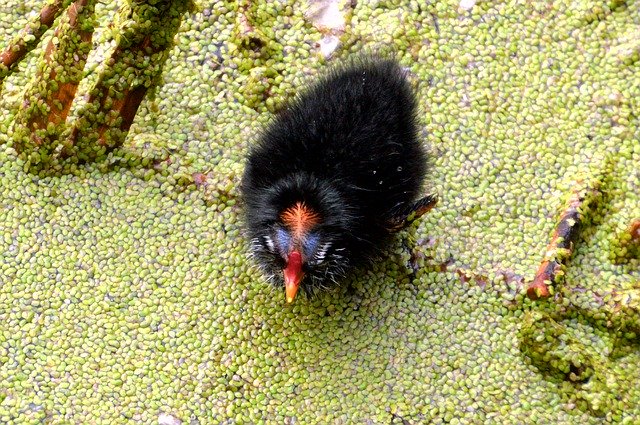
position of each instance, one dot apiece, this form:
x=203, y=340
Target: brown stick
x=627, y=245
x=560, y=249
x=28, y=38
x=47, y=100
x=59, y=101
x=634, y=230
x=634, y=233
x=114, y=101
x=132, y=96
x=123, y=107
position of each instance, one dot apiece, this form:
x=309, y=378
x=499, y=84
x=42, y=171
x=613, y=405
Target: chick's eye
x=268, y=242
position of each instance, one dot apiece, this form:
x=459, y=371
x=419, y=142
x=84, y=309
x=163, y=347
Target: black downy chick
x=334, y=174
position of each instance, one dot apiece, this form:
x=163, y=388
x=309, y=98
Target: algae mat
x=126, y=295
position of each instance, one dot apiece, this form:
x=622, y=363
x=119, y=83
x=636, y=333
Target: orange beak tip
x=291, y=285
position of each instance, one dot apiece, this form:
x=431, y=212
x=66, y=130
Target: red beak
x=293, y=274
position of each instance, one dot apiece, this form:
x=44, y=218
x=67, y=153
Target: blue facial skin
x=310, y=244
x=284, y=242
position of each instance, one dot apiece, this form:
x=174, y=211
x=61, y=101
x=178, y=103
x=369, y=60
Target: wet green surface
x=125, y=288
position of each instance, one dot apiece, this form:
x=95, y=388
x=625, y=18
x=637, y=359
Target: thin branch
x=560, y=249
x=134, y=66
x=49, y=98
x=627, y=244
x=29, y=37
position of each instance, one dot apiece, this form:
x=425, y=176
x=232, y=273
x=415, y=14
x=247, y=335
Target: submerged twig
x=627, y=244
x=29, y=37
x=49, y=97
x=560, y=249
x=144, y=35
x=634, y=231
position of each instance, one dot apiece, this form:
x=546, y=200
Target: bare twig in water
x=29, y=37
x=560, y=249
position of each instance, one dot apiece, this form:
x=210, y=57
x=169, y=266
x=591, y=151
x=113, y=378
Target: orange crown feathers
x=299, y=218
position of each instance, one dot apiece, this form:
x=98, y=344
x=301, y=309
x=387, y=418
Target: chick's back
x=354, y=127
